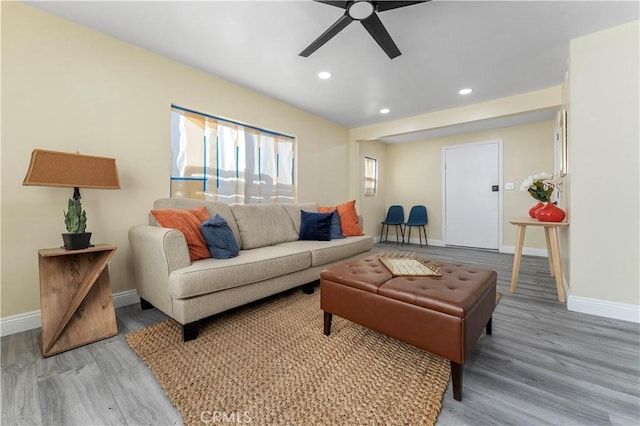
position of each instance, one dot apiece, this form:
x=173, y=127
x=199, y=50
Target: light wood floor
x=541, y=365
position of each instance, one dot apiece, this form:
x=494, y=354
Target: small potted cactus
x=76, y=221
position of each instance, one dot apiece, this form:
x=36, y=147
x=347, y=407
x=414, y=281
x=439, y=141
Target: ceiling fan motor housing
x=360, y=9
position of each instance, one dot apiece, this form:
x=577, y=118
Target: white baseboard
x=604, y=308
x=29, y=320
x=125, y=298
x=526, y=250
x=21, y=322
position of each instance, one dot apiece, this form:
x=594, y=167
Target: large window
x=220, y=160
x=370, y=176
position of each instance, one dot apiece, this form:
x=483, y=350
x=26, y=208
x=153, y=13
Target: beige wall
x=537, y=100
x=604, y=158
x=415, y=174
x=68, y=88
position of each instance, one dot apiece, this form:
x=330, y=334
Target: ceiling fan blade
x=334, y=29
x=380, y=35
x=340, y=4
x=381, y=6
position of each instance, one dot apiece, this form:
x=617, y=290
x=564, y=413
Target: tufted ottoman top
x=454, y=293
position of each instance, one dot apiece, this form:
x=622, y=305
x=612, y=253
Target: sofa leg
x=145, y=305
x=488, y=326
x=189, y=331
x=308, y=288
x=456, y=380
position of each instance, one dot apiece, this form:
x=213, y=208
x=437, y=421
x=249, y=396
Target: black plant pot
x=77, y=241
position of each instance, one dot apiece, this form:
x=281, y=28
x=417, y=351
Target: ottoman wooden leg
x=327, y=323
x=456, y=380
x=488, y=326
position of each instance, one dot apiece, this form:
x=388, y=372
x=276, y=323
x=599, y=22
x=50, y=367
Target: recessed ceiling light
x=385, y=111
x=324, y=75
x=465, y=91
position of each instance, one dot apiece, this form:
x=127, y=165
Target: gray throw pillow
x=219, y=238
x=336, y=229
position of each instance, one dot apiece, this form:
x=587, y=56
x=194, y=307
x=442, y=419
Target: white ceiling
x=498, y=48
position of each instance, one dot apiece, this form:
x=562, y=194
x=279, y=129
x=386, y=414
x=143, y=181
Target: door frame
x=500, y=186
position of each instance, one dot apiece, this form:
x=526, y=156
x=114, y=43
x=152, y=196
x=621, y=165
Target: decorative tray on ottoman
x=409, y=264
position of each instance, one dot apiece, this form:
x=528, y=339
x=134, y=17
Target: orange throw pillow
x=348, y=218
x=326, y=209
x=188, y=222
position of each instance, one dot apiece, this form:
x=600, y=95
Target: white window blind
x=370, y=176
x=220, y=160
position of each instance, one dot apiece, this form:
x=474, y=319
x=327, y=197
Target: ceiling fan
x=365, y=12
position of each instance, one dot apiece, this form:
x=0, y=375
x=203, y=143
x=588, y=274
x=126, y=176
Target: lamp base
x=77, y=241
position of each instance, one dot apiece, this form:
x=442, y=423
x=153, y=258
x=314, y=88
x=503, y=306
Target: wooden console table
x=75, y=297
x=553, y=249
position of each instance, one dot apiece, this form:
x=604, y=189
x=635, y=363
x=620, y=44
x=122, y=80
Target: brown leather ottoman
x=443, y=315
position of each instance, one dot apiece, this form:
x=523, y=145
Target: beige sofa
x=271, y=260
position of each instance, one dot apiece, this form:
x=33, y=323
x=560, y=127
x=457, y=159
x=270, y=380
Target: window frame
x=370, y=180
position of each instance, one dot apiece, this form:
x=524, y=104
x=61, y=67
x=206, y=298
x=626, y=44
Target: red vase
x=550, y=213
x=534, y=209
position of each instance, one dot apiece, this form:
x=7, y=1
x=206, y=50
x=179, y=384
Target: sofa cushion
x=219, y=238
x=348, y=218
x=213, y=207
x=263, y=225
x=251, y=266
x=336, y=229
x=324, y=252
x=188, y=222
x=293, y=210
x=315, y=226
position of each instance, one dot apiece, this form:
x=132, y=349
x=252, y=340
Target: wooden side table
x=553, y=249
x=75, y=297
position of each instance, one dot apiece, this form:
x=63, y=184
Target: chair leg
x=381, y=232
x=397, y=236
x=420, y=237
x=409, y=236
x=425, y=236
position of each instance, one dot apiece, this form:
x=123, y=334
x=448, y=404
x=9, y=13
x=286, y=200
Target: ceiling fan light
x=360, y=10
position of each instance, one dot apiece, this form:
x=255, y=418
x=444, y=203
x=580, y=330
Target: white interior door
x=472, y=198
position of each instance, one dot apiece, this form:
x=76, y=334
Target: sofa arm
x=156, y=252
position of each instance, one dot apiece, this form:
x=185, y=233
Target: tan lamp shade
x=51, y=168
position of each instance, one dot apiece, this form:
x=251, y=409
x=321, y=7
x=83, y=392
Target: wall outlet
x=508, y=185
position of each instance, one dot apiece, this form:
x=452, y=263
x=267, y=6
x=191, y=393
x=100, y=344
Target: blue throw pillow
x=315, y=226
x=336, y=229
x=219, y=238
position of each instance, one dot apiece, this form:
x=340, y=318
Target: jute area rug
x=270, y=363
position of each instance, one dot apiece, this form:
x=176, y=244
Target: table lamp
x=51, y=168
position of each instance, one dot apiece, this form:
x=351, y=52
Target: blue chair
x=417, y=217
x=395, y=217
